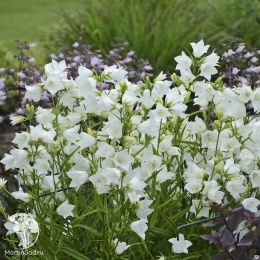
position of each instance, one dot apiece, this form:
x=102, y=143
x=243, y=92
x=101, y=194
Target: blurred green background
x=157, y=30
x=25, y=19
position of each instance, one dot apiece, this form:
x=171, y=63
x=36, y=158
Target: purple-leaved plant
x=242, y=65
x=239, y=234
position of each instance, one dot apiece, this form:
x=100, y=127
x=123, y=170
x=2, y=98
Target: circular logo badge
x=26, y=228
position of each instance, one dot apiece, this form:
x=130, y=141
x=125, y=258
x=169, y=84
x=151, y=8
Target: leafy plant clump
x=158, y=30
x=111, y=173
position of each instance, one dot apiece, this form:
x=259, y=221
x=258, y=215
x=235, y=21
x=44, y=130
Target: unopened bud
x=176, y=79
x=167, y=132
x=160, y=100
x=217, y=123
x=187, y=96
x=217, y=168
x=201, y=173
x=30, y=110
x=218, y=80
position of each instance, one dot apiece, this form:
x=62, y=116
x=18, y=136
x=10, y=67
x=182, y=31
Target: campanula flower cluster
x=133, y=149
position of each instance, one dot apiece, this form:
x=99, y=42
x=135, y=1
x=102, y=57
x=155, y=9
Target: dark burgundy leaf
x=213, y=222
x=207, y=237
x=227, y=238
x=221, y=256
x=240, y=251
x=237, y=208
x=245, y=257
x=234, y=220
x=247, y=240
x=256, y=222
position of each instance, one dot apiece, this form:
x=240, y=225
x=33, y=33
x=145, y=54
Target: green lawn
x=24, y=19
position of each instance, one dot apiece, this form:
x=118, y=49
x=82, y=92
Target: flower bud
x=162, y=137
x=176, y=79
x=187, y=96
x=129, y=141
x=218, y=80
x=16, y=119
x=217, y=168
x=160, y=100
x=30, y=111
x=217, y=123
x=201, y=173
x=167, y=132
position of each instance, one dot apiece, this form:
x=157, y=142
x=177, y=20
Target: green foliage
x=158, y=30
x=234, y=18
x=24, y=19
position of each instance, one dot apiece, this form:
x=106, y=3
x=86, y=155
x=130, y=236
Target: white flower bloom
x=77, y=178
x=180, y=245
x=51, y=182
x=147, y=100
x=16, y=159
x=112, y=175
x=256, y=99
x=235, y=188
x=133, y=197
x=120, y=247
x=33, y=92
x=187, y=76
x=246, y=157
x=245, y=93
x=123, y=159
x=21, y=195
x=72, y=134
x=200, y=209
x=251, y=204
x=113, y=127
x=160, y=113
x=86, y=140
x=100, y=183
x=41, y=166
x=164, y=175
x=38, y=134
x=53, y=84
x=144, y=209
x=209, y=139
x=149, y=127
x=151, y=163
x=21, y=139
x=229, y=144
x=255, y=179
x=140, y=227
x=184, y=62
x=112, y=73
x=65, y=209
x=193, y=185
x=198, y=126
x=207, y=69
x=211, y=190
x=199, y=48
x=55, y=68
x=129, y=99
x=45, y=117
x=104, y=150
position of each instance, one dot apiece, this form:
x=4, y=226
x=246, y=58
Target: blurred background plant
x=158, y=30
